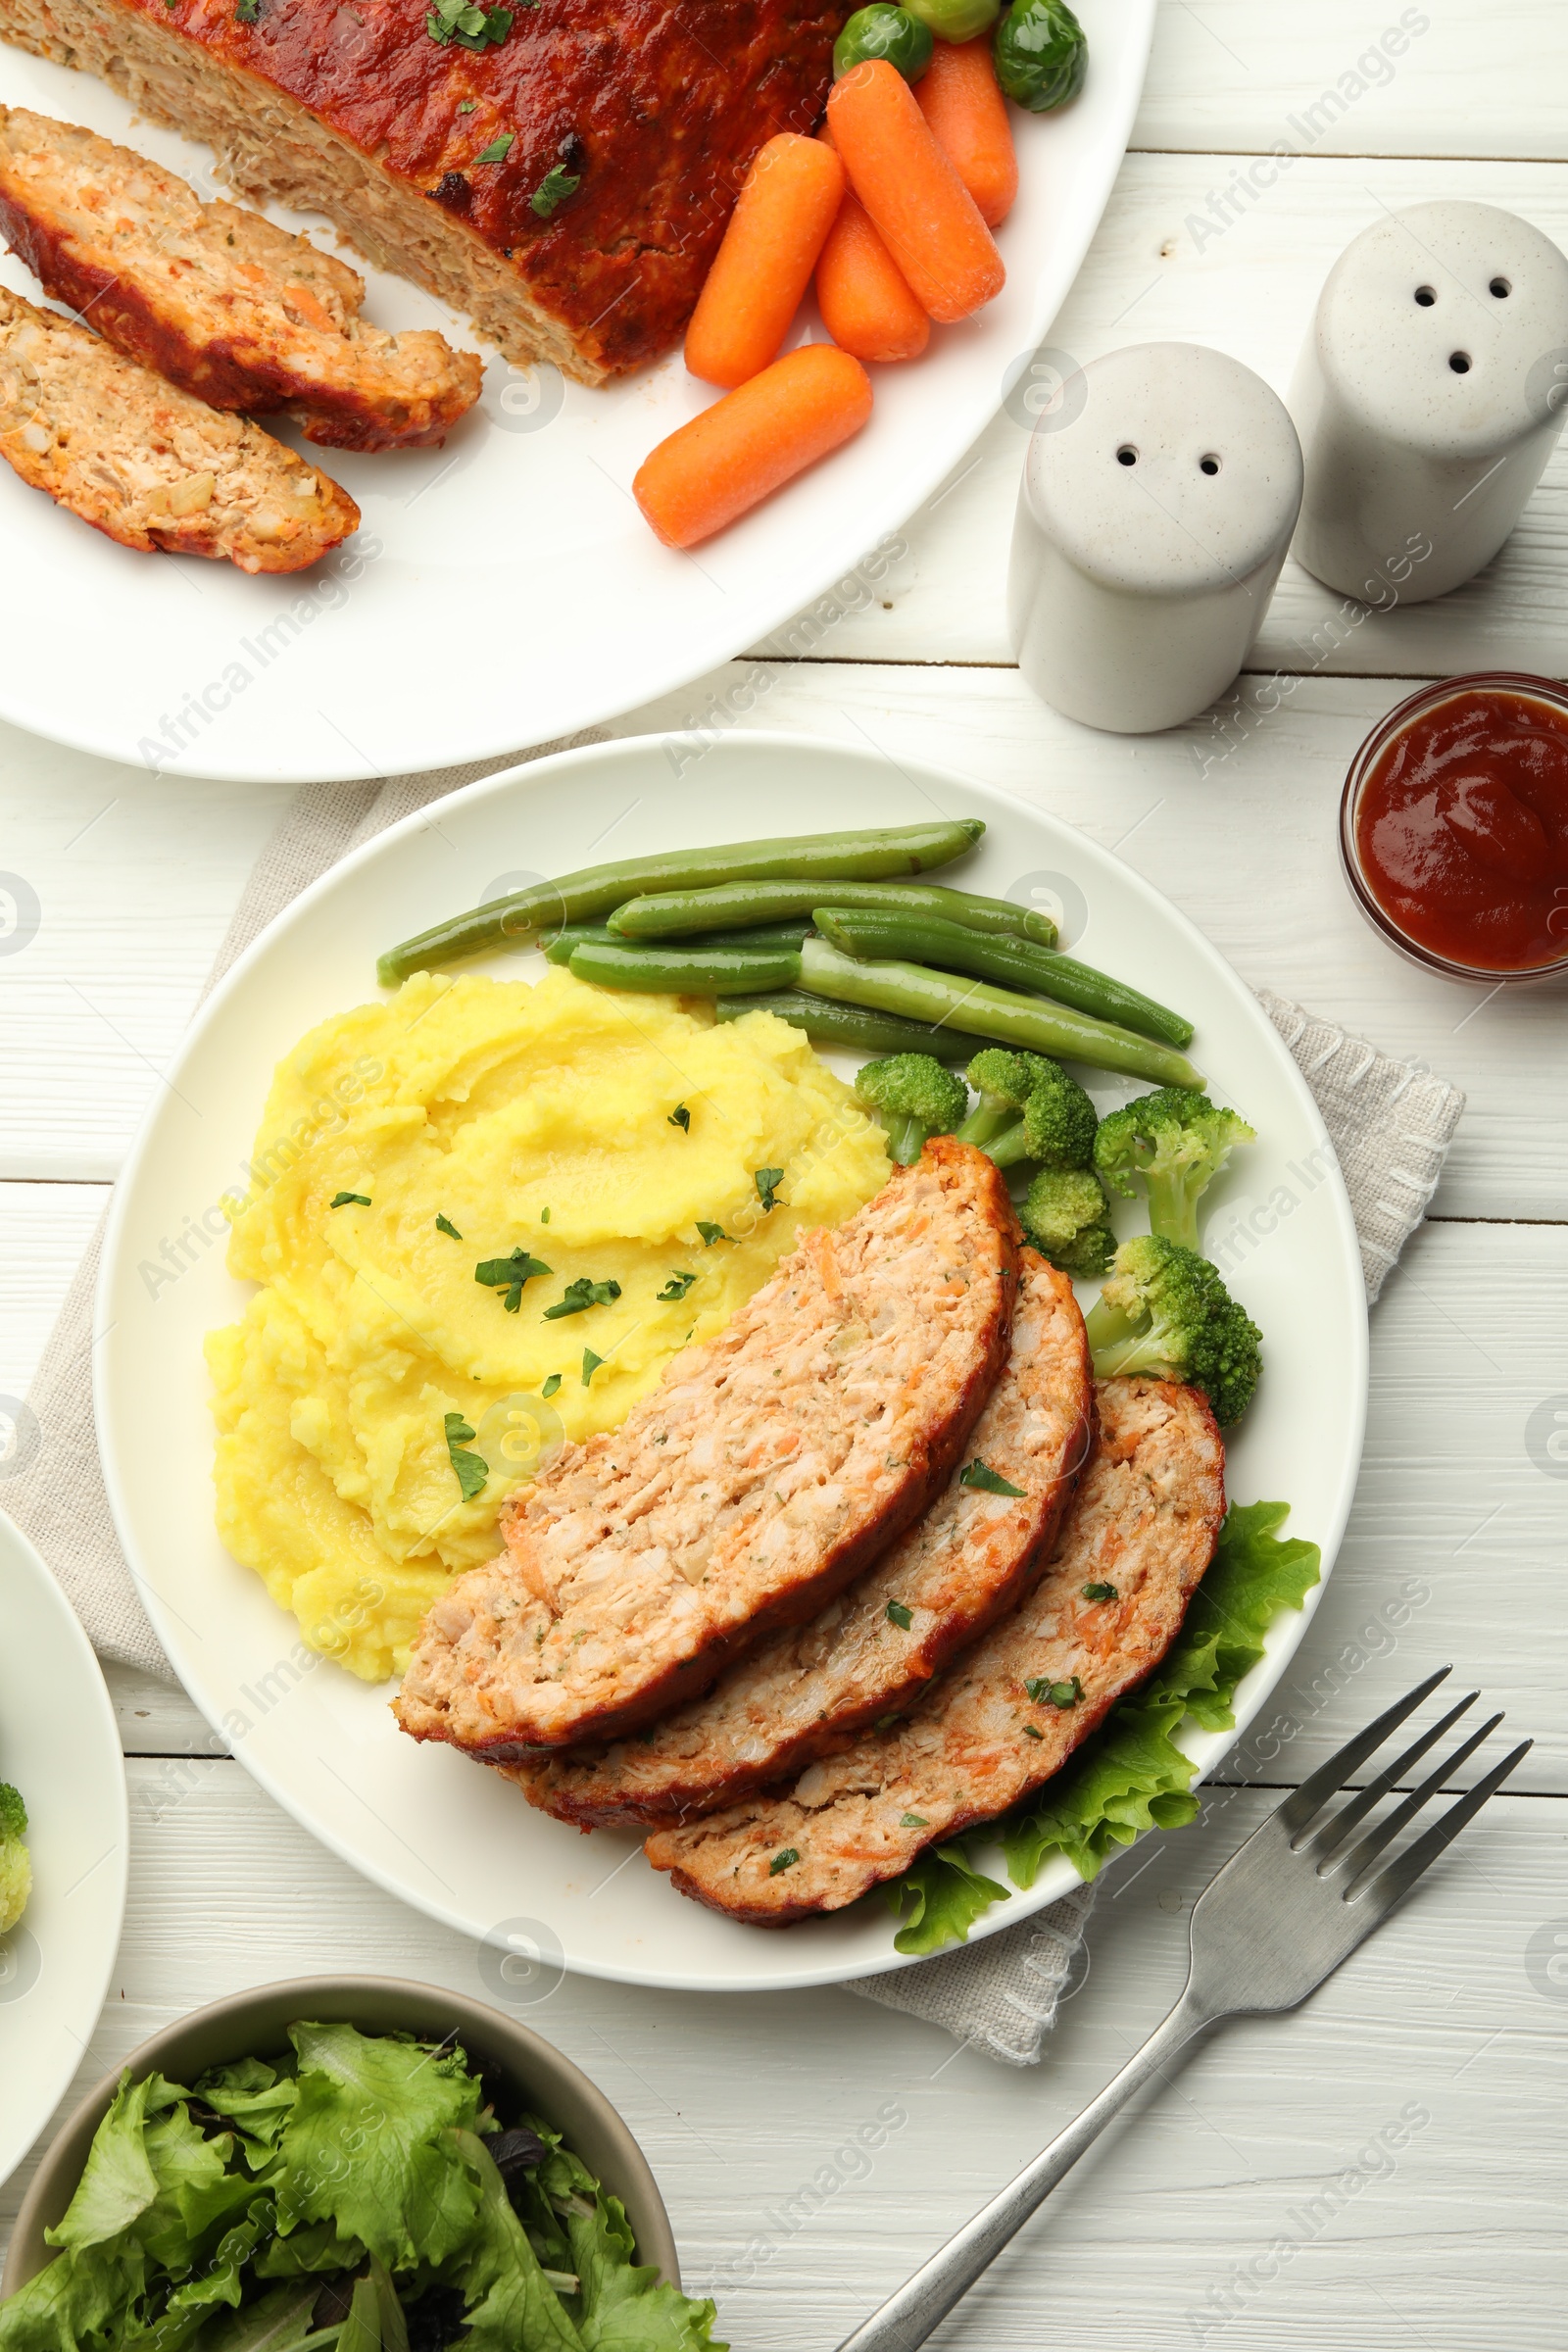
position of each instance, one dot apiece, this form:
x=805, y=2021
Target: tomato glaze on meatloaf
x=353, y=107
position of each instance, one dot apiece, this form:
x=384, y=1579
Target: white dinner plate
x=460, y=1842
x=504, y=590
x=60, y=1747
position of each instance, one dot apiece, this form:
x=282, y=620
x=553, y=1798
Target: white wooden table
x=1454, y=2017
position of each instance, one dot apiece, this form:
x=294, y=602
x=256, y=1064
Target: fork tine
x=1319, y=1786
x=1356, y=1862
x=1330, y=1834
x=1401, y=1874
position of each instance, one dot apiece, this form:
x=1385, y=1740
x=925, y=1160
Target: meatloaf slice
x=219, y=300
x=772, y=1464
x=149, y=465
x=1146, y=1520
x=561, y=171
x=871, y=1652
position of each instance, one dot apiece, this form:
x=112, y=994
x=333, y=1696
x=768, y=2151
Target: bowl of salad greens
x=347, y=2164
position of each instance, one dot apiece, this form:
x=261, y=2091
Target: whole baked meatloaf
x=770, y=1466
x=562, y=172
x=874, y=1649
x=1145, y=1521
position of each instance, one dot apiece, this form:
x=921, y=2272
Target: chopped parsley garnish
x=1100, y=1593
x=469, y=27
x=543, y=1216
x=465, y=106
x=445, y=1225
x=581, y=1294
x=884, y=1723
x=508, y=1274
x=980, y=1474
x=710, y=1234
x=471, y=1468
x=498, y=150
x=767, y=1182
x=783, y=1861
x=1031, y=1732
x=342, y=1200
x=901, y=1617
x=1060, y=1695
x=590, y=1365
x=247, y=11
x=551, y=1385
x=915, y=1821
x=553, y=190
x=678, y=1287
x=680, y=1117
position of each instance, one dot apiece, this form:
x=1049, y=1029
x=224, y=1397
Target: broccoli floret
x=1004, y=1081
x=916, y=1098
x=1058, y=1127
x=1177, y=1142
x=16, y=1870
x=1065, y=1218
x=1164, y=1310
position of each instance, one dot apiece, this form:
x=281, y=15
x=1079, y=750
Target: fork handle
x=908, y=2317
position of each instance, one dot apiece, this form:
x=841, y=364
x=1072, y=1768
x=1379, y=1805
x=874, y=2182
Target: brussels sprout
x=1041, y=54
x=883, y=30
x=955, y=20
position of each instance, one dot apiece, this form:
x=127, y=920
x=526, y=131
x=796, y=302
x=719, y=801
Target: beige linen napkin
x=1390, y=1125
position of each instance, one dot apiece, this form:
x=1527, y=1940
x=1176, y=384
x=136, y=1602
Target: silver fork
x=1286, y=1908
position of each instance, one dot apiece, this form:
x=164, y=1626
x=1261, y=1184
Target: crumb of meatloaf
x=223, y=303
x=148, y=465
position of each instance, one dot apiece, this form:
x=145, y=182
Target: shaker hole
x=1126, y=455
x=1426, y=296
x=1501, y=289
x=1208, y=464
x=1459, y=362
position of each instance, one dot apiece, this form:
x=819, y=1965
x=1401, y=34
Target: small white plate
x=504, y=590
x=460, y=1842
x=60, y=1747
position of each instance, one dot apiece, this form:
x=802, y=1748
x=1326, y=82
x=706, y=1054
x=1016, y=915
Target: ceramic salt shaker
x=1427, y=397
x=1158, y=497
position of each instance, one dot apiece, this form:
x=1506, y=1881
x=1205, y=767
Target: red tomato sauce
x=1462, y=829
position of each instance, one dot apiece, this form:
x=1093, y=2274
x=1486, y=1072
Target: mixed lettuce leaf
x=341, y=2199
x=1131, y=1775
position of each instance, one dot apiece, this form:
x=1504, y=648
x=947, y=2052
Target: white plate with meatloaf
x=415, y=1815
x=503, y=589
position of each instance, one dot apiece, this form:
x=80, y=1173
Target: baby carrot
x=743, y=448
x=926, y=215
x=864, y=296
x=967, y=114
x=752, y=291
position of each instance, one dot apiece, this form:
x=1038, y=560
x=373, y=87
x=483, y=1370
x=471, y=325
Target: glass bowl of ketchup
x=1453, y=828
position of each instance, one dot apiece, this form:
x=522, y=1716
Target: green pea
x=955, y=20
x=1041, y=54
x=882, y=30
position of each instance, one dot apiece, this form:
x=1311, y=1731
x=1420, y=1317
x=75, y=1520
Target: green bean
x=758, y=940
x=559, y=949
x=995, y=1013
x=1016, y=962
x=671, y=913
x=853, y=1028
x=682, y=971
x=595, y=891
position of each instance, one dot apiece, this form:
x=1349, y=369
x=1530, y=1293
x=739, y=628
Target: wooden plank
x=1443, y=2020
x=1231, y=74
x=1161, y=270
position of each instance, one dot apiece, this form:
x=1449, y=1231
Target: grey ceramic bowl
x=256, y=2024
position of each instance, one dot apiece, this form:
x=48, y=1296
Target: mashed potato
x=533, y=1118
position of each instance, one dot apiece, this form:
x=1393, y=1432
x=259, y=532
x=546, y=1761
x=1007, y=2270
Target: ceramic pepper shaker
x=1155, y=509
x=1428, y=397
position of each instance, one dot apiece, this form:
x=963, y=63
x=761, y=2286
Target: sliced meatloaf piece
x=149, y=465
x=871, y=1652
x=219, y=300
x=773, y=1465
x=561, y=171
x=1146, y=1520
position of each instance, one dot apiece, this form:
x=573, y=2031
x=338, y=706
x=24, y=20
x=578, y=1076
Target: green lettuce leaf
x=620, y=2305
x=255, y=2097
x=276, y=2322
x=117, y=2182
x=369, y=2144
x=74, y=2299
x=511, y=2307
x=947, y=1896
